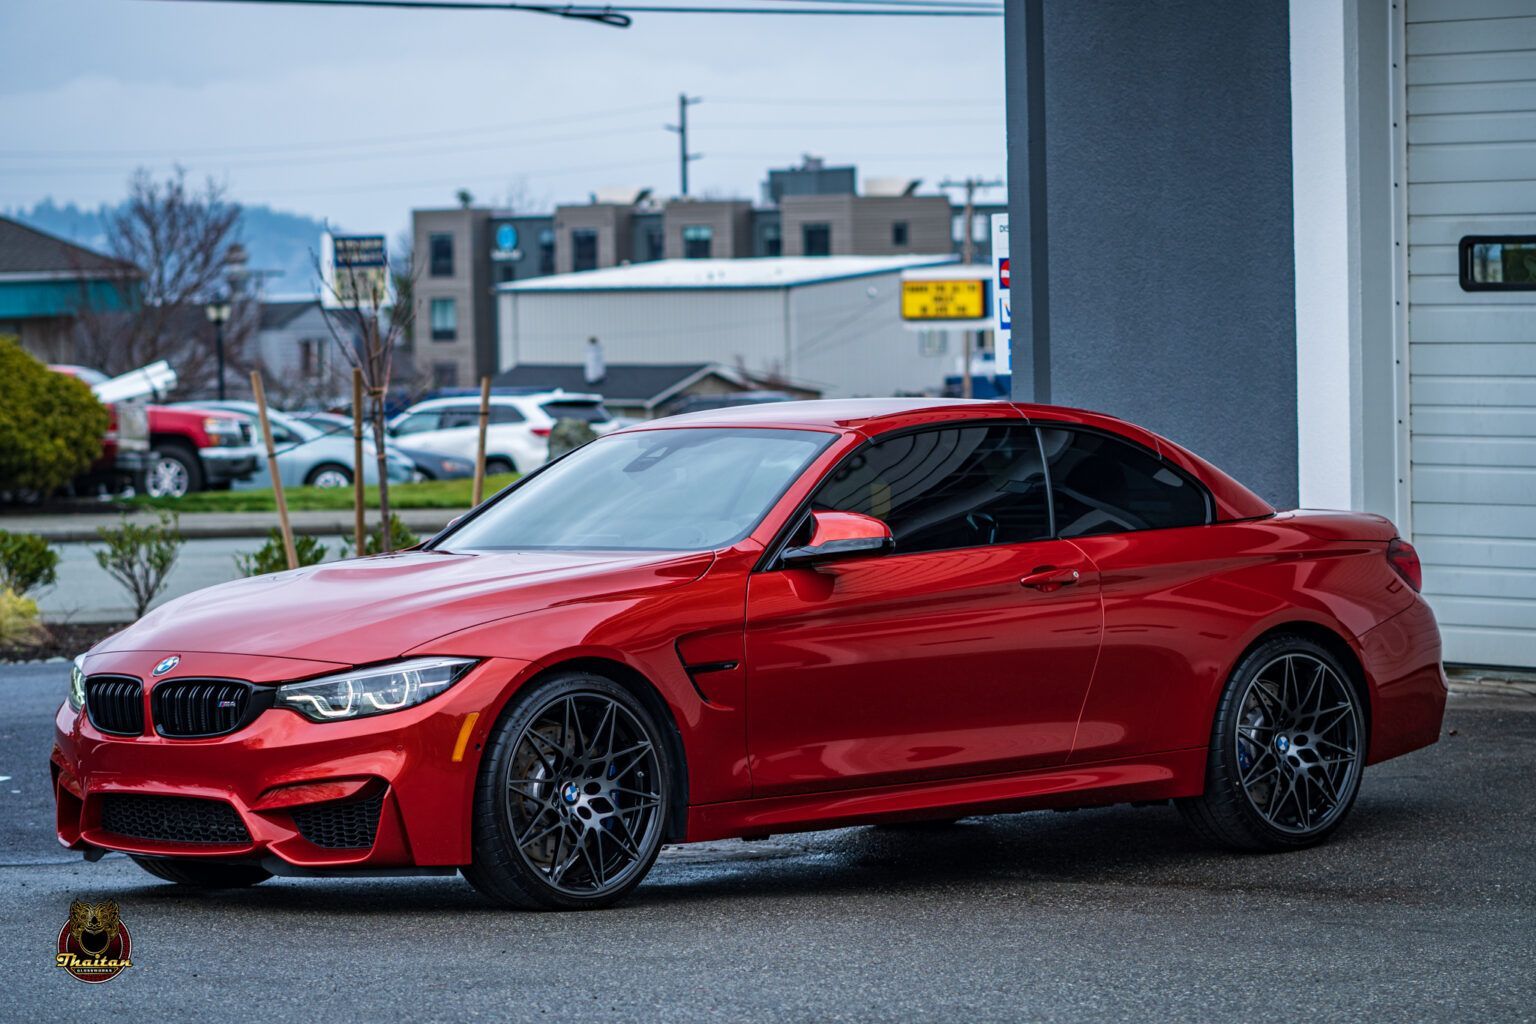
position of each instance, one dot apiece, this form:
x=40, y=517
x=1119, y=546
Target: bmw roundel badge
x=166, y=664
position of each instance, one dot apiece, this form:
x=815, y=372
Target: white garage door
x=1471, y=75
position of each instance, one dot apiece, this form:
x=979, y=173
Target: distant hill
x=276, y=241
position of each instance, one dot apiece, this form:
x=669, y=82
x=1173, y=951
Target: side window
x=419, y=422
x=951, y=488
x=456, y=416
x=505, y=414
x=1104, y=485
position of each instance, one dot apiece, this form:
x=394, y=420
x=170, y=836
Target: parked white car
x=516, y=435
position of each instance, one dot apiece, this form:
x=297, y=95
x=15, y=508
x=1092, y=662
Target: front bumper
x=409, y=771
x=222, y=465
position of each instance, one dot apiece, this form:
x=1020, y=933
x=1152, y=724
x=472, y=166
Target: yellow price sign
x=944, y=300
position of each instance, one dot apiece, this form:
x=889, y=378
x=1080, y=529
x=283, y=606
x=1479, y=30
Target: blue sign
x=506, y=238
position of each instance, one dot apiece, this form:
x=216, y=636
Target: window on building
x=440, y=248
x=445, y=375
x=899, y=232
x=583, y=248
x=698, y=239
x=773, y=240
x=1102, y=484
x=816, y=239
x=546, y=252
x=952, y=488
x=445, y=320
x=1498, y=263
x=312, y=356
x=655, y=243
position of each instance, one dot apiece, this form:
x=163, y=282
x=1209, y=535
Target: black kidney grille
x=115, y=704
x=349, y=825
x=200, y=707
x=172, y=819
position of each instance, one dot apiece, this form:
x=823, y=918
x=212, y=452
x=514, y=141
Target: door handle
x=1049, y=577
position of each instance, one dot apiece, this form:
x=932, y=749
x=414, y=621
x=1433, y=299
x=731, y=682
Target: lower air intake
x=349, y=825
x=172, y=819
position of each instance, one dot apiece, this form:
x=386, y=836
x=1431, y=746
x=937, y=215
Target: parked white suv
x=517, y=435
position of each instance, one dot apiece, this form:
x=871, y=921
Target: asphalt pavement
x=1423, y=907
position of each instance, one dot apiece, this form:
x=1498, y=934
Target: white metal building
x=830, y=323
x=1429, y=146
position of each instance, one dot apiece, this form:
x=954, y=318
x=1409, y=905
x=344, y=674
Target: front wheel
x=1286, y=753
x=203, y=874
x=175, y=472
x=329, y=475
x=572, y=797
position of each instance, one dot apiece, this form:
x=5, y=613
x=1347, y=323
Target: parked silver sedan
x=310, y=457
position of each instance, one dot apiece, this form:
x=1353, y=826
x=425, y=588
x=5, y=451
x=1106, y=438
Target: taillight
x=540, y=431
x=1405, y=561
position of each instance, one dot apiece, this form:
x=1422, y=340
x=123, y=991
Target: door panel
x=912, y=667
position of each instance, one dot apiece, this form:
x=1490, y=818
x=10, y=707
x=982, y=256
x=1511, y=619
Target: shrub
x=51, y=426
x=19, y=623
x=271, y=557
x=140, y=557
x=27, y=563
x=373, y=540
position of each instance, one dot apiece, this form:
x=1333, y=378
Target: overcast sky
x=359, y=115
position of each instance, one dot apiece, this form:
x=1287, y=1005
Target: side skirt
x=1160, y=776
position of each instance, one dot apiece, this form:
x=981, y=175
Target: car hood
x=371, y=609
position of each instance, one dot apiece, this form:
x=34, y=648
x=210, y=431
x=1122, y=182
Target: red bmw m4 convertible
x=762, y=620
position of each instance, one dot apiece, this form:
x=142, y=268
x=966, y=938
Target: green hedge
x=51, y=425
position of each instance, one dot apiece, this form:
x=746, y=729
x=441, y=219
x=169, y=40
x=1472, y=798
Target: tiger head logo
x=94, y=925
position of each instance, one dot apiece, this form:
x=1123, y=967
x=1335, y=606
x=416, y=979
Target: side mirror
x=841, y=535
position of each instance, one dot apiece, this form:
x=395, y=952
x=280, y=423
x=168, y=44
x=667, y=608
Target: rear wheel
x=204, y=875
x=1287, y=750
x=499, y=467
x=572, y=797
x=330, y=474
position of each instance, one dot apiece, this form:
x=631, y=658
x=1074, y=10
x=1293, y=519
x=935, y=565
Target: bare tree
x=368, y=329
x=179, y=238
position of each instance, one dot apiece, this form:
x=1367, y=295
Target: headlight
x=373, y=691
x=77, y=683
x=224, y=431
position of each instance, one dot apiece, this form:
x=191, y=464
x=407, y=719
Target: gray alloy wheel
x=329, y=475
x=1287, y=751
x=173, y=474
x=572, y=798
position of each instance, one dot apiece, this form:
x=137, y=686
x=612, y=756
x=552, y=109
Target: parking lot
x=1421, y=908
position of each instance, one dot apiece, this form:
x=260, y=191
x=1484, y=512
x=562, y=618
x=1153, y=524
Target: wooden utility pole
x=968, y=255
x=260, y=394
x=684, y=158
x=485, y=418
x=359, y=489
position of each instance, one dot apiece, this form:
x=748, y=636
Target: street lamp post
x=218, y=315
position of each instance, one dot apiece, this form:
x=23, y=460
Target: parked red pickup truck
x=192, y=449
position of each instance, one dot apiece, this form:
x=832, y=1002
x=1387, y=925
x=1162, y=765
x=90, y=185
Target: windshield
x=665, y=490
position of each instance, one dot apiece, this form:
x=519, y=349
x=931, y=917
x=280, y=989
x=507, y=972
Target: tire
x=1287, y=750
x=589, y=802
x=204, y=875
x=329, y=474
x=176, y=471
x=499, y=466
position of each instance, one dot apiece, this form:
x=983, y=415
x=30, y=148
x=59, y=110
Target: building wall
x=844, y=338
x=861, y=225
x=1168, y=262
x=730, y=222
x=468, y=287
x=281, y=352
x=848, y=340
x=612, y=224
